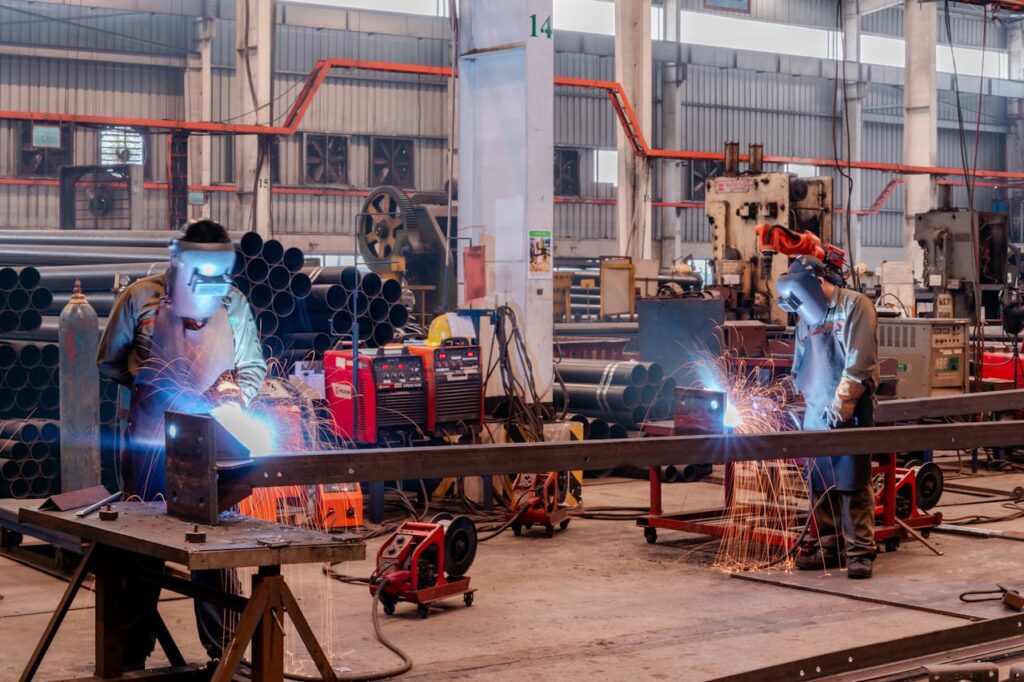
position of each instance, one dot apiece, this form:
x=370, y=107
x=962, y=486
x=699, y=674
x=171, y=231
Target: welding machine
x=455, y=391
x=423, y=563
x=545, y=500
x=391, y=390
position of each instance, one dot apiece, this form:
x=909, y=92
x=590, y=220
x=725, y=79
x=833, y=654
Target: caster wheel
x=389, y=609
x=468, y=598
x=528, y=526
x=517, y=529
x=651, y=535
x=926, y=532
x=10, y=538
x=423, y=611
x=892, y=545
x=549, y=531
x=564, y=524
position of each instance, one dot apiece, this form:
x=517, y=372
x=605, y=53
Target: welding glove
x=844, y=403
x=225, y=390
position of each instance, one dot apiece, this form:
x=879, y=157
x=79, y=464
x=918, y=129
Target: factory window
x=567, y=172
x=119, y=145
x=606, y=166
x=391, y=162
x=45, y=147
x=699, y=172
x=326, y=159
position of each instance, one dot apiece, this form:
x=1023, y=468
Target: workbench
x=145, y=530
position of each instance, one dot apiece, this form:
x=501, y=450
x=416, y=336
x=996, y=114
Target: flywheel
x=385, y=222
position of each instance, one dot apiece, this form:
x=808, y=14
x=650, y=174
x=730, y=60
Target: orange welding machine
x=455, y=389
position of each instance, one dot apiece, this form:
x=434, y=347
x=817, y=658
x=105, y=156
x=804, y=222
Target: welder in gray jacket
x=835, y=367
x=183, y=341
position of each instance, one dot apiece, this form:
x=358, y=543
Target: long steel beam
x=913, y=409
x=481, y=460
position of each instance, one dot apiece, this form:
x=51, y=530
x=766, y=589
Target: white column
x=854, y=113
x=633, y=69
x=506, y=146
x=673, y=133
x=199, y=107
x=1015, y=107
x=920, y=122
x=254, y=77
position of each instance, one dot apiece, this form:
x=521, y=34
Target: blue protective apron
x=182, y=365
x=819, y=374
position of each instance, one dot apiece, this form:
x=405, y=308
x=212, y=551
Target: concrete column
x=506, y=144
x=920, y=121
x=255, y=21
x=633, y=69
x=199, y=107
x=1015, y=107
x=672, y=135
x=854, y=112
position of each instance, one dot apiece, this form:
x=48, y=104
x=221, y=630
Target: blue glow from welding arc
x=250, y=429
x=710, y=381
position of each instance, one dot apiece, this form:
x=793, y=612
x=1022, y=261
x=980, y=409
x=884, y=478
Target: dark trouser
x=144, y=474
x=215, y=626
x=847, y=515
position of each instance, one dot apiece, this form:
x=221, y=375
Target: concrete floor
x=593, y=602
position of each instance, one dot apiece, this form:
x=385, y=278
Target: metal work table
x=146, y=530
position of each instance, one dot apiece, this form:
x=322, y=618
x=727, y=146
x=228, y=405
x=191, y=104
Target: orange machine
x=455, y=390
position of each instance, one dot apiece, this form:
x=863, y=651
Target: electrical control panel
x=931, y=355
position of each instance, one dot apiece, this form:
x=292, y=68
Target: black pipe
x=261, y=296
x=18, y=300
x=584, y=421
x=30, y=320
x=49, y=468
x=7, y=401
x=8, y=279
x=256, y=270
x=391, y=290
x=341, y=322
x=300, y=285
x=329, y=296
x=28, y=277
x=267, y=322
x=349, y=278
x=97, y=277
x=39, y=377
x=283, y=303
x=589, y=398
x=9, y=469
x=101, y=302
x=241, y=260
x=599, y=428
x=279, y=278
x=370, y=284
x=240, y=282
x=14, y=449
x=293, y=259
x=9, y=321
x=27, y=398
x=273, y=251
x=378, y=310
x=29, y=468
x=398, y=316
x=318, y=341
x=9, y=354
x=38, y=450
x=40, y=487
x=40, y=298
x=382, y=334
x=323, y=275
x=655, y=373
x=251, y=244
x=50, y=355
x=18, y=488
x=616, y=430
x=19, y=429
x=667, y=389
x=49, y=398
x=15, y=378
x=597, y=371
x=273, y=346
x=365, y=328
x=30, y=254
x=358, y=303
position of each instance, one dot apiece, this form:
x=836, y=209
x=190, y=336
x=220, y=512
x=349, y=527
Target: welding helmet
x=800, y=291
x=199, y=276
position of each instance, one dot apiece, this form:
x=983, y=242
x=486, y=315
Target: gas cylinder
x=79, y=336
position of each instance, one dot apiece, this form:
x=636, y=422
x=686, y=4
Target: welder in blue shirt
x=835, y=368
x=182, y=341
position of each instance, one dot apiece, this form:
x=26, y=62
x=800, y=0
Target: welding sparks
x=254, y=434
x=732, y=419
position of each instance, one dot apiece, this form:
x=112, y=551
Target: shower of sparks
x=255, y=434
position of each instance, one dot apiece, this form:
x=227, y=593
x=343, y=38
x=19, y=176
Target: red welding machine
x=544, y=500
x=391, y=392
x=455, y=389
x=423, y=563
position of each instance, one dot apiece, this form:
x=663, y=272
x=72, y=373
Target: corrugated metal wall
x=790, y=115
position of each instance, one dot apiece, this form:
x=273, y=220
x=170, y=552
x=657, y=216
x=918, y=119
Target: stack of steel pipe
x=23, y=301
x=346, y=300
x=29, y=457
x=627, y=393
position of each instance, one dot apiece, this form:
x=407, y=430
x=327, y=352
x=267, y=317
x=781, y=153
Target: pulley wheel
x=386, y=216
x=459, y=545
x=929, y=485
x=563, y=486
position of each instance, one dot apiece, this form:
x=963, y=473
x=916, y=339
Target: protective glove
x=225, y=390
x=844, y=403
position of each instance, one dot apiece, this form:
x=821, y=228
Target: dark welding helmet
x=200, y=277
x=800, y=291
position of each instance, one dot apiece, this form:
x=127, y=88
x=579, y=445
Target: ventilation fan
x=101, y=197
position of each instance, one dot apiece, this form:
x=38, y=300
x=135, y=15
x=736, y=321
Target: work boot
x=859, y=567
x=817, y=560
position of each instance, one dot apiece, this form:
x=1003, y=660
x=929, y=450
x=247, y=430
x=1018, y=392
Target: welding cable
x=406, y=665
x=610, y=513
x=508, y=524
